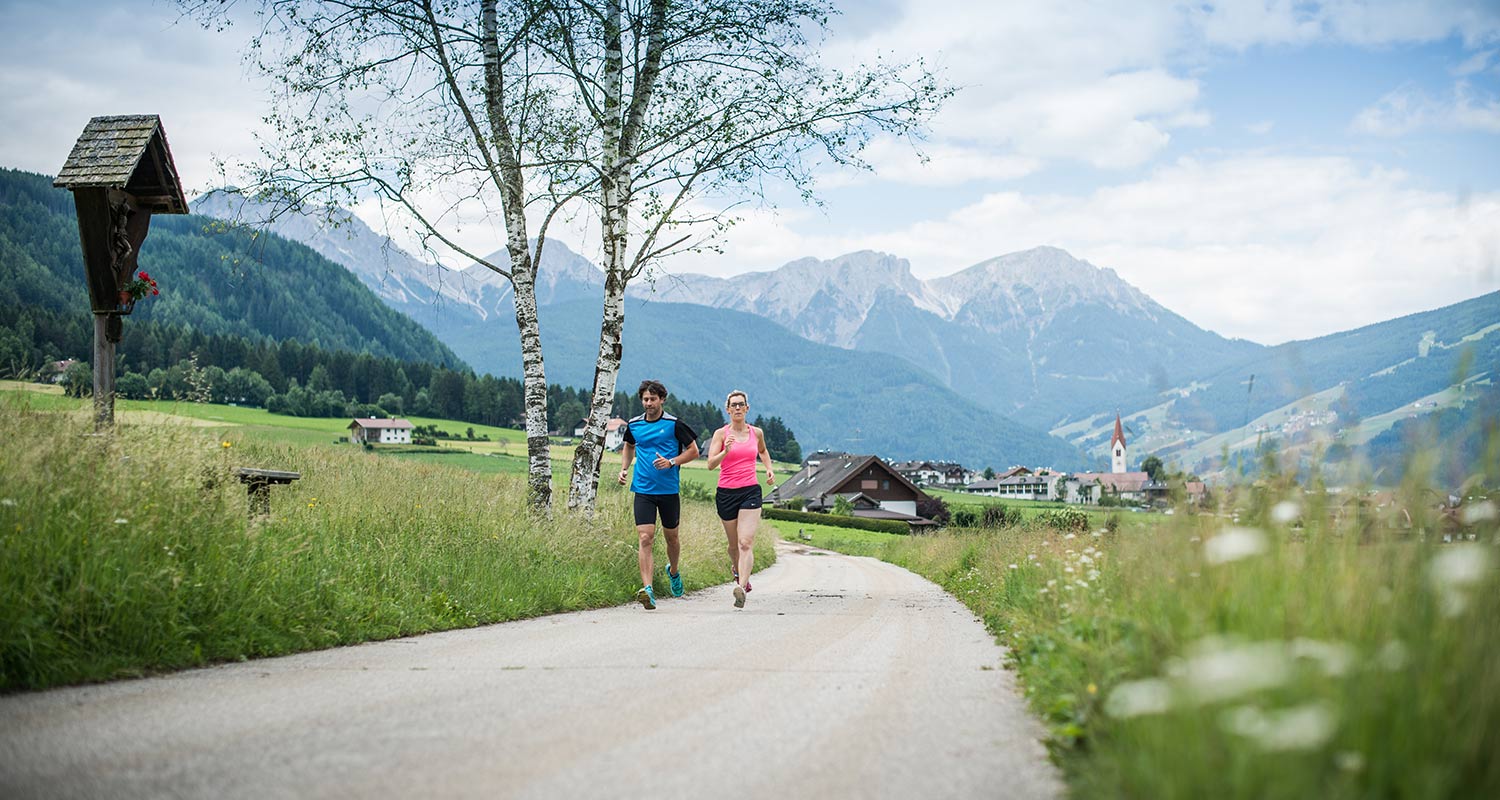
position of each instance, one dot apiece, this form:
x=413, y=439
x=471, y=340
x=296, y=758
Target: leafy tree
x=78, y=380
x=842, y=507
x=1153, y=467
x=989, y=473
x=935, y=509
x=464, y=111
x=685, y=102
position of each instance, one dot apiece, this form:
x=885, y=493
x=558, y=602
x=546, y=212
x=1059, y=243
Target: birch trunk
x=508, y=177
x=620, y=134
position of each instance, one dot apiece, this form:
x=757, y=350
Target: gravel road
x=841, y=677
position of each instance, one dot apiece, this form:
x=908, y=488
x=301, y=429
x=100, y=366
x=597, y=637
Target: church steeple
x=1117, y=448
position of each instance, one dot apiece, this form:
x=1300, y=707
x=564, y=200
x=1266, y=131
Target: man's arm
x=627, y=457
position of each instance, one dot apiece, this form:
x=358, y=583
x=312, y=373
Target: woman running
x=734, y=451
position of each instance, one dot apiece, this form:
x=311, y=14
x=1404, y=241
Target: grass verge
x=1309, y=648
x=131, y=552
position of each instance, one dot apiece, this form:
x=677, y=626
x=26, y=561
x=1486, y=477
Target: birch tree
x=687, y=108
x=430, y=106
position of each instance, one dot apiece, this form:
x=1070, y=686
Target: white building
x=380, y=431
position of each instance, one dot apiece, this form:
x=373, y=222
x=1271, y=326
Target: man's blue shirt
x=667, y=436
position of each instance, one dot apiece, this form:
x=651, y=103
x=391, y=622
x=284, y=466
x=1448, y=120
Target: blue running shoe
x=646, y=597
x=675, y=578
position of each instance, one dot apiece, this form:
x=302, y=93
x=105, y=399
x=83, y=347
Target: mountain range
x=1014, y=345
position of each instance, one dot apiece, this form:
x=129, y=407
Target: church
x=1088, y=487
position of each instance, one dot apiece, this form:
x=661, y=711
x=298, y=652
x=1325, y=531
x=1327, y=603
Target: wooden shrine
x=120, y=173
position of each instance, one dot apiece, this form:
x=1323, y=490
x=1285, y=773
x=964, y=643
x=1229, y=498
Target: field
x=1291, y=644
x=1288, y=642
x=130, y=553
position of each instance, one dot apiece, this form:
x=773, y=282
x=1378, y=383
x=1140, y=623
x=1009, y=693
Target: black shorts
x=670, y=506
x=730, y=501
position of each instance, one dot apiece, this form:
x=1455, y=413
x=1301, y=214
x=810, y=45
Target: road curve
x=841, y=677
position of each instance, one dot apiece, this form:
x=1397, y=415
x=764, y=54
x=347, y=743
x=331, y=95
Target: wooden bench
x=258, y=486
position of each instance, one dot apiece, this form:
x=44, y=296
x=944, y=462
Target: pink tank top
x=737, y=470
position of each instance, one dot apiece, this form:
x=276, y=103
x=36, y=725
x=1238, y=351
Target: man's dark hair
x=653, y=387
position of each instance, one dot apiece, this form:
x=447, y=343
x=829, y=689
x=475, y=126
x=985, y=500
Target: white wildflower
x=1300, y=728
x=1286, y=512
x=1071, y=536
x=1454, y=571
x=1218, y=669
x=1014, y=566
x=7, y=502
x=1093, y=574
x=1482, y=511
x=1233, y=544
x=121, y=521
x=1137, y=698
x=1052, y=582
x=1350, y=760
x=1392, y=656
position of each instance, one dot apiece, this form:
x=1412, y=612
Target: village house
x=939, y=474
x=614, y=434
x=364, y=430
x=870, y=485
x=1020, y=483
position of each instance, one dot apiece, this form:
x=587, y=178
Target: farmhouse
x=380, y=431
x=871, y=486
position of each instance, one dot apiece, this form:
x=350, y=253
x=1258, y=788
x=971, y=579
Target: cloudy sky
x=1269, y=169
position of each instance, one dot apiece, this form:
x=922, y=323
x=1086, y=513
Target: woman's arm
x=765, y=455
x=716, y=450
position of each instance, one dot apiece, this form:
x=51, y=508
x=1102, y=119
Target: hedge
x=881, y=525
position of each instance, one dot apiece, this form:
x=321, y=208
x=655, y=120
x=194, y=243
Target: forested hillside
x=213, y=280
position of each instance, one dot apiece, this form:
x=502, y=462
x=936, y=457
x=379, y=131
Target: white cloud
x=1479, y=62
x=1410, y=108
x=1262, y=247
x=1261, y=128
x=948, y=163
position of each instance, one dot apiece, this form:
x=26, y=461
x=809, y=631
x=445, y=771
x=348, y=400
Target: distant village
x=874, y=488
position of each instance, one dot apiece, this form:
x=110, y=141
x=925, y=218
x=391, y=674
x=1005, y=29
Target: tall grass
x=132, y=552
x=1299, y=644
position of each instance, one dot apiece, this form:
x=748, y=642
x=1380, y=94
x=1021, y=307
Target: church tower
x=1117, y=448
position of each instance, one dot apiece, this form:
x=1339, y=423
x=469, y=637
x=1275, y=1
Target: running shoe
x=646, y=597
x=747, y=585
x=739, y=596
x=674, y=578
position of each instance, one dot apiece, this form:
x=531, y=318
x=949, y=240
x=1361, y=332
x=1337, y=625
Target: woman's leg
x=731, y=532
x=748, y=522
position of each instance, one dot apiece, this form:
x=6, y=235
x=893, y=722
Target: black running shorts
x=670, y=506
x=730, y=501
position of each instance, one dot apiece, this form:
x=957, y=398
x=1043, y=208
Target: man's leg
x=647, y=534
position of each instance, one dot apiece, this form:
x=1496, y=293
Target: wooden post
x=104, y=373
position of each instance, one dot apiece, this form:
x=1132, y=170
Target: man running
x=658, y=444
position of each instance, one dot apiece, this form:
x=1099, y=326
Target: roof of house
x=830, y=474
x=881, y=513
x=613, y=424
x=1116, y=481
x=126, y=152
x=1013, y=471
x=367, y=422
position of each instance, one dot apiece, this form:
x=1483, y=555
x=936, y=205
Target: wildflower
x=1092, y=688
x=1233, y=544
x=226, y=444
x=1300, y=728
x=1350, y=760
x=121, y=521
x=1218, y=669
x=1137, y=698
x=1286, y=512
x=1454, y=571
x=1392, y=656
x=1483, y=511
x=1071, y=536
x=1014, y=566
x=7, y=502
x=1052, y=582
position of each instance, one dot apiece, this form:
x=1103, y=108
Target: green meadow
x=133, y=552
x=1284, y=644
